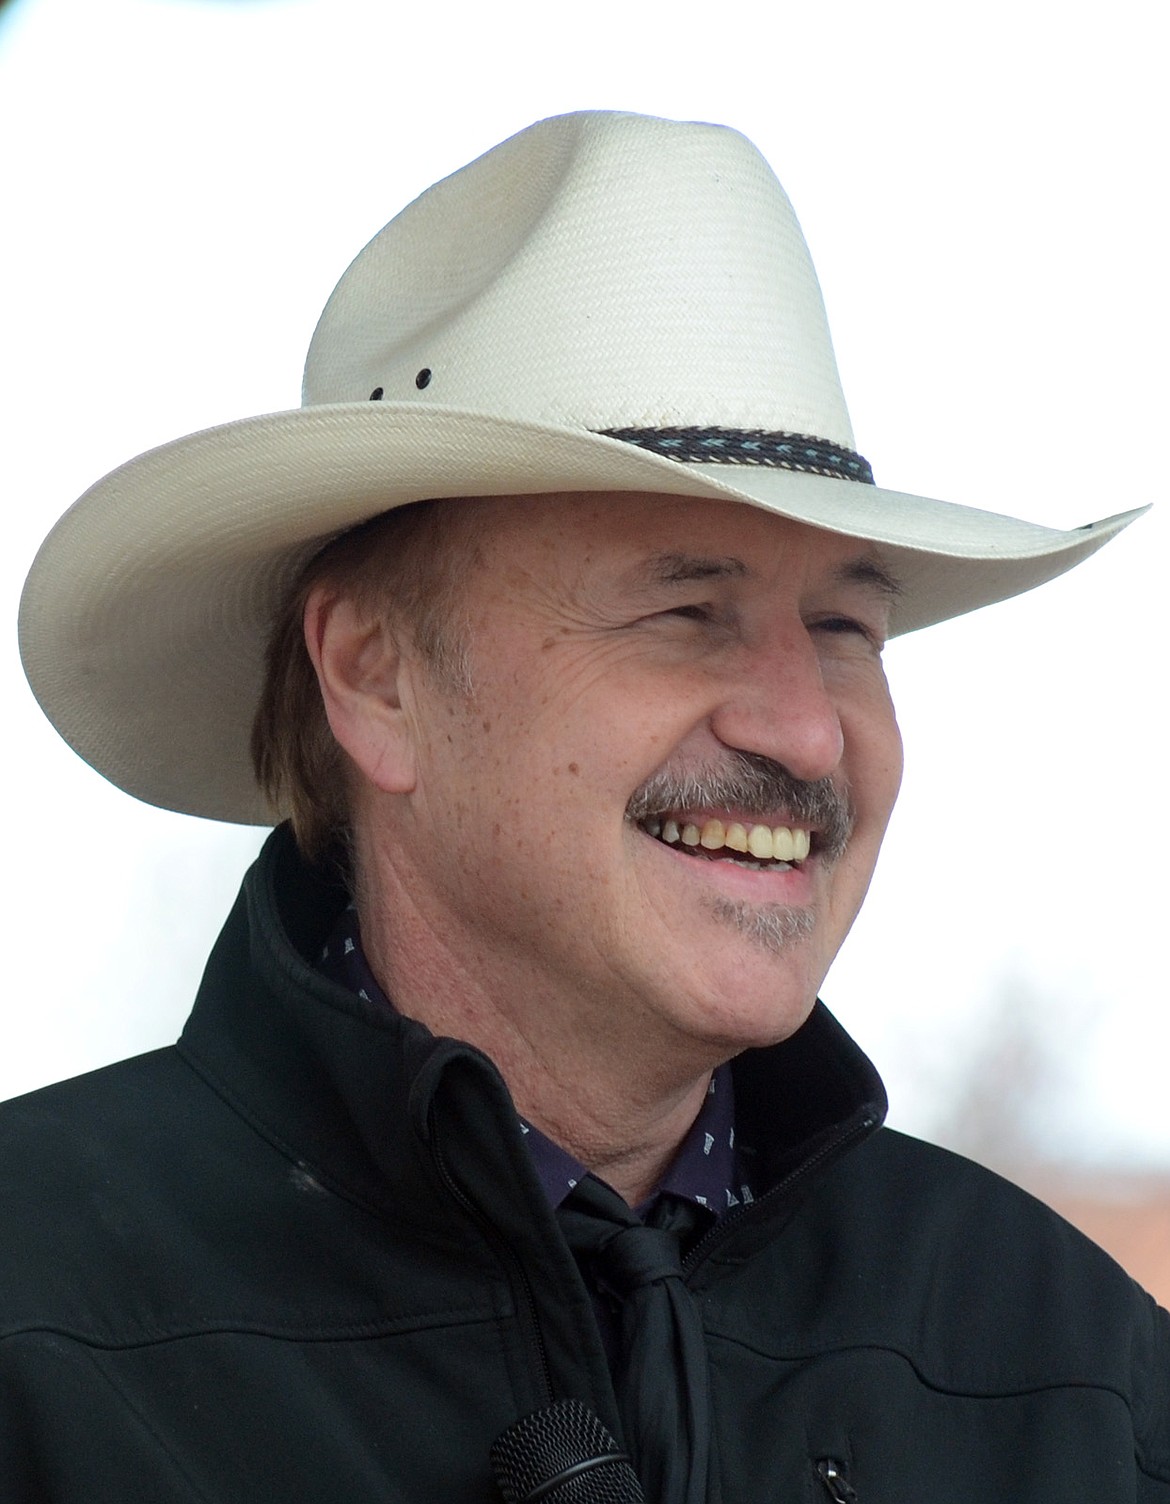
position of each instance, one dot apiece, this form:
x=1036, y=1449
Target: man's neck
x=635, y=1169
x=621, y=1106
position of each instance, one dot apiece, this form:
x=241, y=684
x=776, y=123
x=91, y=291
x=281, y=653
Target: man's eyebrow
x=682, y=569
x=867, y=570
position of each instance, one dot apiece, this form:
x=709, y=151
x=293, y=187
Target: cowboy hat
x=604, y=302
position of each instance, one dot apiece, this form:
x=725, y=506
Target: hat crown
x=598, y=270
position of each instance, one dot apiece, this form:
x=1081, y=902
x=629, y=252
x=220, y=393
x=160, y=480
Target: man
x=507, y=1137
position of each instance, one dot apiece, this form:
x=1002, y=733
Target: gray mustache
x=758, y=786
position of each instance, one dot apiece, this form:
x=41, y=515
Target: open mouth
x=761, y=848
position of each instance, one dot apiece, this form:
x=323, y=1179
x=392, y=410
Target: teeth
x=780, y=843
x=760, y=843
x=736, y=837
x=783, y=846
x=711, y=835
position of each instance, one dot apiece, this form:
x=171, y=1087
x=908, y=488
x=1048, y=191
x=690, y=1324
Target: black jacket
x=302, y=1257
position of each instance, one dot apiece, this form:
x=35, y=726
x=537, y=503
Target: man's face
x=652, y=672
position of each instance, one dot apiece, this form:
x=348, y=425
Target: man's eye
x=845, y=626
x=691, y=613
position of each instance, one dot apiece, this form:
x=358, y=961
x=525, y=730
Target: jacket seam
x=364, y=1332
x=1159, y=1470
x=835, y=1349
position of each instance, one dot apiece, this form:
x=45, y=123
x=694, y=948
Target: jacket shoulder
x=1001, y=1293
x=137, y=1205
x=64, y=1144
x=71, y=1200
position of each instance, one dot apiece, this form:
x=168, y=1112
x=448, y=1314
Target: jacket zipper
x=521, y=1285
x=837, y=1486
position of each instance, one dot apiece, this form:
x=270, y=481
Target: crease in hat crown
x=603, y=302
x=601, y=271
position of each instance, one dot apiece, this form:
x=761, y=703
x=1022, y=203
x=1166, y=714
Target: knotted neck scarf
x=661, y=1371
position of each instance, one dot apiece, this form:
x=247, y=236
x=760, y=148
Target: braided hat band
x=749, y=446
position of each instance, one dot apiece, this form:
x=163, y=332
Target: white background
x=983, y=190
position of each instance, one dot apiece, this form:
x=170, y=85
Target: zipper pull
x=837, y=1486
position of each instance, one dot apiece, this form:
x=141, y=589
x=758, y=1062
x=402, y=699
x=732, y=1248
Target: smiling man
x=508, y=1149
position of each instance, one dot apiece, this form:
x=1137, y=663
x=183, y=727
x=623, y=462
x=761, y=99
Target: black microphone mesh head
x=563, y=1455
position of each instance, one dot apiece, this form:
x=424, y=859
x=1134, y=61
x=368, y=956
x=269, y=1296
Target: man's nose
x=777, y=704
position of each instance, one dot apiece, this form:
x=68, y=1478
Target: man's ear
x=360, y=670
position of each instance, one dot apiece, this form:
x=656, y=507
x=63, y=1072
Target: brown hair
x=409, y=564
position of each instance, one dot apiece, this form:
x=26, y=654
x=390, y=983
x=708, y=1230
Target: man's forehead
x=648, y=541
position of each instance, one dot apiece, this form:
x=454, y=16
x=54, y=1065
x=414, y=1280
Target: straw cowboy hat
x=603, y=302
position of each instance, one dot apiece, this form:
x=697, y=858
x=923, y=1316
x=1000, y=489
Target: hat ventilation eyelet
x=376, y=394
x=423, y=378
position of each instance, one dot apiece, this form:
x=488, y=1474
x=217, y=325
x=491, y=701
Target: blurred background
x=983, y=191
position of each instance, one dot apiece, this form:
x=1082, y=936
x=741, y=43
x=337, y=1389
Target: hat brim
x=145, y=616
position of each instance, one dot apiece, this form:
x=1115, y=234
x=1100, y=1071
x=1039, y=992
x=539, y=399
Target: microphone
x=563, y=1455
